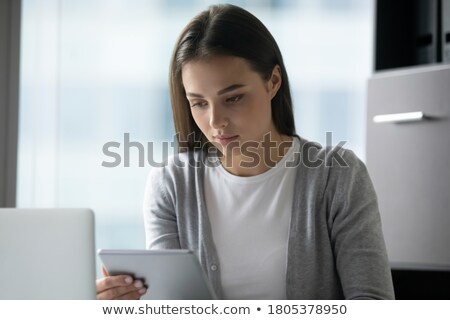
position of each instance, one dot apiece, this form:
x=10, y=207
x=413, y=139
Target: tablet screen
x=169, y=274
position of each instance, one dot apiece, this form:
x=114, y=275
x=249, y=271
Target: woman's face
x=230, y=103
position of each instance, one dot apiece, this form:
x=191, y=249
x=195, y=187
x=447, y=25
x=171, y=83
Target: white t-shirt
x=250, y=219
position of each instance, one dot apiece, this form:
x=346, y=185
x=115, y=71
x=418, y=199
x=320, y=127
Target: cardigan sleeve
x=356, y=233
x=161, y=230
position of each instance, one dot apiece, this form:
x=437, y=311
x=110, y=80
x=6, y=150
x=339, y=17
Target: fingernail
x=138, y=284
x=128, y=280
x=142, y=291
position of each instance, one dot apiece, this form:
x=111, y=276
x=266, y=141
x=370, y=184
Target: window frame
x=10, y=18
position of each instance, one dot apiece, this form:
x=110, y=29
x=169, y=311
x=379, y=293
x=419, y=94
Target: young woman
x=269, y=214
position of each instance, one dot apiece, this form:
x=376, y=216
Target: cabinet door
x=409, y=163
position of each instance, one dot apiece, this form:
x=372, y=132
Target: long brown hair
x=226, y=30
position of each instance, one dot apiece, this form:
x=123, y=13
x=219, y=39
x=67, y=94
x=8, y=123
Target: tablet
x=169, y=274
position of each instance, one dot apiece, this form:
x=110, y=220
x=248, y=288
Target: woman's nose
x=218, y=117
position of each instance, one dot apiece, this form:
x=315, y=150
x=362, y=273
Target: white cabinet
x=409, y=163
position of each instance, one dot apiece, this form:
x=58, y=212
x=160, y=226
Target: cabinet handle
x=399, y=117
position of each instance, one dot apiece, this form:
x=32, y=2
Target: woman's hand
x=121, y=287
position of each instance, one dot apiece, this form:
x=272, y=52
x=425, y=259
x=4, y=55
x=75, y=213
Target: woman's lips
x=224, y=140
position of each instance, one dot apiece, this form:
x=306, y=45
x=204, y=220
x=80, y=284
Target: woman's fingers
x=133, y=295
x=112, y=282
x=120, y=293
x=119, y=287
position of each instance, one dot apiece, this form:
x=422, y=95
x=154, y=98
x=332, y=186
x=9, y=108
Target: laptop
x=47, y=254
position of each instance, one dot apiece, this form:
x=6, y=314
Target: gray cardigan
x=336, y=248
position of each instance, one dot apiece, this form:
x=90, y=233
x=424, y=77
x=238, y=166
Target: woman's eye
x=198, y=104
x=235, y=98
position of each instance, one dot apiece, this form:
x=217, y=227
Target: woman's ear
x=274, y=82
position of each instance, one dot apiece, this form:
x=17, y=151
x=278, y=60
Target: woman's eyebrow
x=220, y=92
x=230, y=88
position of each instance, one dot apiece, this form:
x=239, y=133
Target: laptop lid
x=47, y=254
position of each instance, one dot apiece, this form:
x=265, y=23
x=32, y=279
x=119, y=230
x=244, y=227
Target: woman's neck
x=255, y=160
